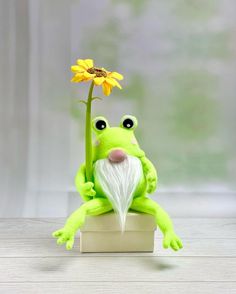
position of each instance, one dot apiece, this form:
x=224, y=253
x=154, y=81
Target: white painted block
x=102, y=233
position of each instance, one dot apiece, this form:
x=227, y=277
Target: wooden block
x=102, y=233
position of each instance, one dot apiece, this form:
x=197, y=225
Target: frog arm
x=80, y=177
x=82, y=186
x=150, y=174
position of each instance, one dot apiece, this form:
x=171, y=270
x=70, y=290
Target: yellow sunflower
x=85, y=71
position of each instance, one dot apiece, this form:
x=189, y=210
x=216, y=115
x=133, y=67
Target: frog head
x=115, y=143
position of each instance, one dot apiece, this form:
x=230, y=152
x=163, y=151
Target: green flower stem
x=88, y=136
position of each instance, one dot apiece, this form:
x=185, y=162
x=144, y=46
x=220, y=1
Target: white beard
x=119, y=182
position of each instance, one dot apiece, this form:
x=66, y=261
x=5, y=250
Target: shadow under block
x=102, y=233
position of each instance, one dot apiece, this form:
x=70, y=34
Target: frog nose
x=117, y=156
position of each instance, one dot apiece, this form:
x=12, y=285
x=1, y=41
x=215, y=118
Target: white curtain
x=179, y=65
x=35, y=94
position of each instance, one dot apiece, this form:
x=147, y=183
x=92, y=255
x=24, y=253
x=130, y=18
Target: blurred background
x=179, y=63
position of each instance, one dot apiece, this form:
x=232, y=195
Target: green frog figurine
x=122, y=179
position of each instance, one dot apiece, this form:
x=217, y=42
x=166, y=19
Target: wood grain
x=21, y=228
x=119, y=288
x=120, y=268
x=31, y=262
x=49, y=248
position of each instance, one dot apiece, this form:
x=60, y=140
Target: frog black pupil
x=128, y=123
x=101, y=124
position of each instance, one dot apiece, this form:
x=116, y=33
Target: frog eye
x=129, y=122
x=99, y=124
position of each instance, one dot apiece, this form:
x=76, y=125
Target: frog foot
x=65, y=235
x=171, y=240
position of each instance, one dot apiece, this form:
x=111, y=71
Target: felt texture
x=96, y=202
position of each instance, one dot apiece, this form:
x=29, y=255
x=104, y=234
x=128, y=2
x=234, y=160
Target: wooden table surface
x=31, y=262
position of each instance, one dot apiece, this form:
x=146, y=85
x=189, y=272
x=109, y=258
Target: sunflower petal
x=88, y=75
x=99, y=81
x=89, y=62
x=116, y=75
x=106, y=89
x=110, y=81
x=82, y=63
x=113, y=82
x=77, y=78
x=73, y=80
x=77, y=68
x=118, y=85
x=86, y=79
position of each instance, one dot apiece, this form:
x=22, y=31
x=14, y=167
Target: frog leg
x=75, y=221
x=147, y=205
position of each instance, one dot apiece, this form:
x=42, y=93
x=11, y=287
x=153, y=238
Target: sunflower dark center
x=97, y=71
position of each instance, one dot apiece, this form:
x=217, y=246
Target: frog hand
x=86, y=190
x=65, y=235
x=172, y=240
x=151, y=182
